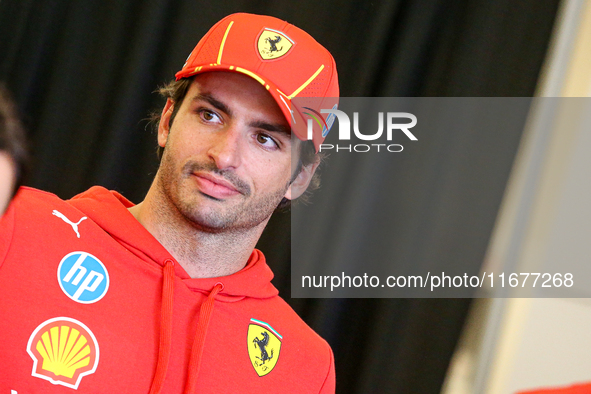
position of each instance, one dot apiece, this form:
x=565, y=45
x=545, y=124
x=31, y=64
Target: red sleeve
x=329, y=383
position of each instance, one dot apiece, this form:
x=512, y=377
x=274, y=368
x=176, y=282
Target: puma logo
x=65, y=219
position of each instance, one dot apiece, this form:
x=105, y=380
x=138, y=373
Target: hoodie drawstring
x=166, y=331
x=165, y=327
x=202, y=325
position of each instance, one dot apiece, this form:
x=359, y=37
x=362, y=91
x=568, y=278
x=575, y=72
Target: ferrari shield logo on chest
x=264, y=346
x=273, y=44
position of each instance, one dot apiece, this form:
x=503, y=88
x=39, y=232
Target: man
x=170, y=295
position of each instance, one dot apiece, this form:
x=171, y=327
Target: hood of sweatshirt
x=107, y=208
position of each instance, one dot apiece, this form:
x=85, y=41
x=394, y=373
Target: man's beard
x=228, y=216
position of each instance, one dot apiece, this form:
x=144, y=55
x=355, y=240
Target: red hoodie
x=91, y=301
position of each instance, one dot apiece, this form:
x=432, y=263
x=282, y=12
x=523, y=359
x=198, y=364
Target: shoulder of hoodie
x=29, y=210
x=33, y=201
x=30, y=202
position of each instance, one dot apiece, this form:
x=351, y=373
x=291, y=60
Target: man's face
x=227, y=160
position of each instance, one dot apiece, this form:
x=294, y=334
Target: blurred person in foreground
x=170, y=296
x=12, y=150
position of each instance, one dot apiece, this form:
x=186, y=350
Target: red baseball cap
x=286, y=60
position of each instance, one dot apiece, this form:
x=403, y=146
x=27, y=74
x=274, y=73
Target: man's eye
x=209, y=116
x=265, y=140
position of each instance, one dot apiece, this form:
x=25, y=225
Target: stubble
x=241, y=213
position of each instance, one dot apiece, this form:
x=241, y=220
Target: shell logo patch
x=273, y=44
x=264, y=345
x=63, y=351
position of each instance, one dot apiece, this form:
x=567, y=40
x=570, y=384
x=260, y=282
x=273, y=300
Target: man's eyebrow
x=214, y=102
x=272, y=127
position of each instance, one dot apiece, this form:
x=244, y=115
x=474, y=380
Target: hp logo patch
x=83, y=277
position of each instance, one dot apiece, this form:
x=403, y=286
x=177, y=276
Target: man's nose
x=226, y=148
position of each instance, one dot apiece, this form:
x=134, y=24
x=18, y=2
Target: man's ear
x=164, y=125
x=302, y=180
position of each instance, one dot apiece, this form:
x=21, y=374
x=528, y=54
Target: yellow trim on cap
x=224, y=43
x=298, y=90
x=251, y=74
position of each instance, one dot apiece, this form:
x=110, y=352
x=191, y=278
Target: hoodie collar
x=108, y=209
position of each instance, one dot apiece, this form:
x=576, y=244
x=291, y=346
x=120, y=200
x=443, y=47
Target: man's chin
x=214, y=215
x=209, y=219
x=220, y=221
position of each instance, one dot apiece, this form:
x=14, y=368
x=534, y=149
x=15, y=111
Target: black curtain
x=83, y=73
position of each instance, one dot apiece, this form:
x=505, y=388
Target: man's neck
x=201, y=253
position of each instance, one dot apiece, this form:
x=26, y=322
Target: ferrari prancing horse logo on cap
x=273, y=44
x=264, y=344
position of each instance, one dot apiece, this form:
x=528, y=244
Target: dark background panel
x=84, y=72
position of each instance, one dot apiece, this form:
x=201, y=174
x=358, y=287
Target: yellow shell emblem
x=63, y=351
x=264, y=345
x=273, y=44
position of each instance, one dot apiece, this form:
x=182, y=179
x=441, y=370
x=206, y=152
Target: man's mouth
x=213, y=186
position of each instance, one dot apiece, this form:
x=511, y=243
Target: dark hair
x=12, y=136
x=176, y=92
